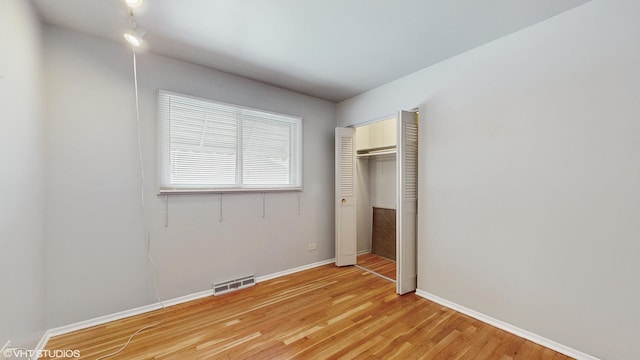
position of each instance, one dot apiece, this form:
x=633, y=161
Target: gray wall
x=22, y=318
x=96, y=251
x=529, y=173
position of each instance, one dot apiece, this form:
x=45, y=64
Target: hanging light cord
x=146, y=225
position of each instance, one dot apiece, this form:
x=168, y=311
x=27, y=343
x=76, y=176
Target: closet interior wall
x=376, y=178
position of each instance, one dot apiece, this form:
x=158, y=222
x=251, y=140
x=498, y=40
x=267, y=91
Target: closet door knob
x=344, y=201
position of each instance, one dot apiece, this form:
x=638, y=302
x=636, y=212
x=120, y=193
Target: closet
x=376, y=197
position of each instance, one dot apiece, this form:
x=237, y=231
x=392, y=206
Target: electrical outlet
x=312, y=246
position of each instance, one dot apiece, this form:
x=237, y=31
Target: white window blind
x=211, y=146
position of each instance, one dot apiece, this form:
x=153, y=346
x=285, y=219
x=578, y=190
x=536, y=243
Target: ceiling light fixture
x=133, y=3
x=133, y=39
x=134, y=36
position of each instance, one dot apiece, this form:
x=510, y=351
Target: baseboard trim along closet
x=151, y=307
x=507, y=327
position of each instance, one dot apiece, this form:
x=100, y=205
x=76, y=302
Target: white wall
x=96, y=253
x=529, y=172
x=22, y=318
x=363, y=213
x=376, y=188
x=382, y=175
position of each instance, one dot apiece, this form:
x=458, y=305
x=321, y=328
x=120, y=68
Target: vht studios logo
x=30, y=354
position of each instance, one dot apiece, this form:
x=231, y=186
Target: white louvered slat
x=347, y=168
x=411, y=161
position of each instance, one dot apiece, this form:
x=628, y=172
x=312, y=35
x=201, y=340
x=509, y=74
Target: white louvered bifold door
x=345, y=198
x=407, y=202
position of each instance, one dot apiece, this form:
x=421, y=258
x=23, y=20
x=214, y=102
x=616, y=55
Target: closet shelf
x=382, y=151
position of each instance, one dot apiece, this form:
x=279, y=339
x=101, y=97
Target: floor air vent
x=233, y=285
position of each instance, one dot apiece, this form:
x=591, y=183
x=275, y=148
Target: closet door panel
x=345, y=197
x=407, y=202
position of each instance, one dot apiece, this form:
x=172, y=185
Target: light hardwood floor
x=382, y=266
x=322, y=313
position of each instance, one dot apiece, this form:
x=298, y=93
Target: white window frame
x=164, y=151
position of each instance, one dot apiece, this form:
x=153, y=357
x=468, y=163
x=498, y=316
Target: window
x=211, y=146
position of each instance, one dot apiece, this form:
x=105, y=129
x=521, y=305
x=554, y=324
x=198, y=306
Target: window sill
x=223, y=190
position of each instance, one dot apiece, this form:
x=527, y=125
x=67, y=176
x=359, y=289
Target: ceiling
x=331, y=49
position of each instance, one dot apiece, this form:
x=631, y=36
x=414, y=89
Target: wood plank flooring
x=322, y=313
x=382, y=266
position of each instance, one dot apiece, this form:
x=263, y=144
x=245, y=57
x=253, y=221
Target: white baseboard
x=508, y=327
x=365, y=251
x=294, y=270
x=151, y=307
